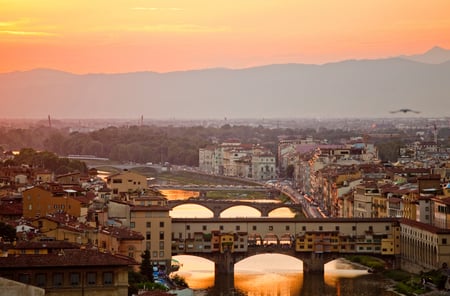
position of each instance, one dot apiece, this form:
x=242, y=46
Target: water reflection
x=269, y=274
x=279, y=275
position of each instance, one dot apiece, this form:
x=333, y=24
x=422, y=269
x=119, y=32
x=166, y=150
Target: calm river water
x=270, y=274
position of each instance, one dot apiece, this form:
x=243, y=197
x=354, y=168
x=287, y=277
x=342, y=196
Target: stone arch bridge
x=217, y=207
x=226, y=241
x=312, y=262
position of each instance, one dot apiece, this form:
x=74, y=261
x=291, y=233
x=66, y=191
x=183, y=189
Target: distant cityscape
x=399, y=121
x=398, y=209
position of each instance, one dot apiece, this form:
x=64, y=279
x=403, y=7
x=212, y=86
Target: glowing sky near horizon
x=168, y=35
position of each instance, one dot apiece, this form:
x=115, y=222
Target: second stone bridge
x=218, y=206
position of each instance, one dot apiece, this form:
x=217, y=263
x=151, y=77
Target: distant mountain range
x=352, y=88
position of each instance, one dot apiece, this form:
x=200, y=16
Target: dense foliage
x=7, y=232
x=46, y=160
x=146, y=268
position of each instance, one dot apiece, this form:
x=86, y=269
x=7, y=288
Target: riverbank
x=404, y=283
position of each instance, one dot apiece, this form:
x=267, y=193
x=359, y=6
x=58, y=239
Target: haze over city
x=230, y=59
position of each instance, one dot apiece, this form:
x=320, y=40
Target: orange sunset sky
x=108, y=36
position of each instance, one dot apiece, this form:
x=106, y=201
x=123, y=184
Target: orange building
x=40, y=201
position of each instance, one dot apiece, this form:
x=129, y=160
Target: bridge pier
x=316, y=283
x=224, y=284
x=314, y=264
x=224, y=264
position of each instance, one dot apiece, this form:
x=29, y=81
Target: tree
x=146, y=266
x=7, y=232
x=290, y=171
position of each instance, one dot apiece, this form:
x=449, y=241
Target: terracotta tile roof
x=45, y=245
x=66, y=258
x=151, y=198
x=395, y=200
x=424, y=226
x=149, y=208
x=104, y=189
x=445, y=201
x=11, y=208
x=68, y=174
x=58, y=218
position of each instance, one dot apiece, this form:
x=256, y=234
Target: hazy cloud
x=26, y=33
x=180, y=28
x=157, y=8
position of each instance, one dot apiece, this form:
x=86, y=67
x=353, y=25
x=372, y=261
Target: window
x=221, y=227
x=41, y=279
x=444, y=241
x=387, y=227
x=161, y=254
x=238, y=227
x=370, y=228
x=148, y=235
x=117, y=181
x=74, y=279
x=354, y=228
x=24, y=278
x=57, y=279
x=254, y=227
x=337, y=228
x=107, y=278
x=320, y=228
x=204, y=227
x=132, y=225
x=149, y=224
x=303, y=228
x=161, y=245
x=161, y=224
x=91, y=278
x=188, y=227
x=287, y=227
x=147, y=245
x=155, y=254
x=161, y=235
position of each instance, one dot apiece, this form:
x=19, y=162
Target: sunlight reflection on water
x=263, y=272
x=266, y=274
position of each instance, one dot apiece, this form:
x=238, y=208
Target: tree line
x=177, y=145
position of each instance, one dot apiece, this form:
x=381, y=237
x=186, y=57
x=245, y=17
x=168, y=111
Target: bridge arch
x=281, y=211
x=194, y=262
x=249, y=210
x=195, y=211
x=220, y=206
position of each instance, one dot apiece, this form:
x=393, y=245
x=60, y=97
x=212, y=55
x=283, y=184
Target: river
x=270, y=274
